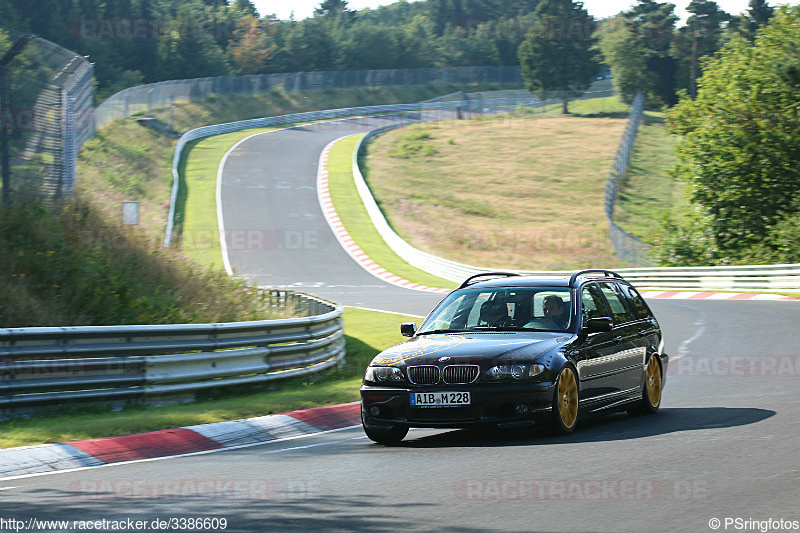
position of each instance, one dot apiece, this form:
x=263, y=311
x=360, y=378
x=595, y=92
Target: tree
x=627, y=57
x=746, y=25
x=245, y=6
x=653, y=24
x=741, y=144
x=701, y=36
x=557, y=56
x=250, y=51
x=636, y=46
x=332, y=8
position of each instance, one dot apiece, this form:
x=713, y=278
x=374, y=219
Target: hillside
x=518, y=192
x=77, y=264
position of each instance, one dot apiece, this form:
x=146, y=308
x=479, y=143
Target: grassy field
x=367, y=333
x=648, y=192
x=521, y=192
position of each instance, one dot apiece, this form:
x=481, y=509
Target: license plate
x=439, y=399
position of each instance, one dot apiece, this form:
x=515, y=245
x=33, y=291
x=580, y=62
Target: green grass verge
x=356, y=220
x=648, y=192
x=196, y=206
x=367, y=333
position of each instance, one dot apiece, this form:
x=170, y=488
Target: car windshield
x=502, y=309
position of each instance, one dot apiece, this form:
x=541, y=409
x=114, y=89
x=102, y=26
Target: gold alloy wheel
x=653, y=382
x=567, y=398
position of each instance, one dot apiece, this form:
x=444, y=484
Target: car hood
x=486, y=349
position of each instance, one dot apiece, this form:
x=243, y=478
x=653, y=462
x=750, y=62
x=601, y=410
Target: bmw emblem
x=443, y=359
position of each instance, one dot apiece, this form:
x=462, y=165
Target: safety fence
x=123, y=364
x=146, y=98
x=46, y=115
x=626, y=246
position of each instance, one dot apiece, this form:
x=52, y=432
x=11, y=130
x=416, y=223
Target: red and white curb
x=27, y=460
x=687, y=295
x=344, y=237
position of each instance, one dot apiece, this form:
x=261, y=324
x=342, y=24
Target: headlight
x=513, y=372
x=383, y=374
x=535, y=370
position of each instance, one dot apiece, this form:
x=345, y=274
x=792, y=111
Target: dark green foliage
x=199, y=38
x=557, y=56
x=741, y=146
x=73, y=268
x=701, y=36
x=636, y=45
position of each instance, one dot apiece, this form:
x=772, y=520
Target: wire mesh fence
x=47, y=114
x=146, y=98
x=626, y=246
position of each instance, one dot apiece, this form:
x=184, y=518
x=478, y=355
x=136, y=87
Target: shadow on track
x=608, y=428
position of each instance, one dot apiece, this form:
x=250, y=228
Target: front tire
x=565, y=402
x=391, y=435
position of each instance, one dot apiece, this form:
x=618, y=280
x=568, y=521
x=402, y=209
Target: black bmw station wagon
x=514, y=351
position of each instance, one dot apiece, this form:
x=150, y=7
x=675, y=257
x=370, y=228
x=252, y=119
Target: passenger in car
x=553, y=319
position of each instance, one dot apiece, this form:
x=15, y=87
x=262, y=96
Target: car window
x=619, y=311
x=592, y=303
x=547, y=313
x=637, y=303
x=534, y=308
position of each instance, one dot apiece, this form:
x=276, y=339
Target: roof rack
x=498, y=274
x=607, y=273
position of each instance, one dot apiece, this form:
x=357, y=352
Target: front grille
x=460, y=374
x=423, y=375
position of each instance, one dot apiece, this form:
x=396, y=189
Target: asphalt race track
x=723, y=446
x=278, y=234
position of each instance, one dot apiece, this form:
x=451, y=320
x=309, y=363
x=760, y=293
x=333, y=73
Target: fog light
x=374, y=410
x=521, y=409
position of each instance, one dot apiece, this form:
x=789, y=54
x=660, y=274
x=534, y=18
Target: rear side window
x=619, y=311
x=592, y=303
x=637, y=303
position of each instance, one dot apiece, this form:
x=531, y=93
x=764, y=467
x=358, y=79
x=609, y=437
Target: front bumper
x=490, y=404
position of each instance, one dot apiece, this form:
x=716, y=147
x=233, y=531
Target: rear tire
x=565, y=402
x=651, y=392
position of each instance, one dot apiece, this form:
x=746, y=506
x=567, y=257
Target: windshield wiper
x=500, y=328
x=433, y=331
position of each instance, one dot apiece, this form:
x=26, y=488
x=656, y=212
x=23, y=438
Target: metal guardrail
x=739, y=278
x=42, y=365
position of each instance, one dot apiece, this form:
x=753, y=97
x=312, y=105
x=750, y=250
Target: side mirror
x=596, y=325
x=407, y=329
